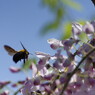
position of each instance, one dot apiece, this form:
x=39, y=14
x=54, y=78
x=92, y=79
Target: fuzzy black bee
x=17, y=55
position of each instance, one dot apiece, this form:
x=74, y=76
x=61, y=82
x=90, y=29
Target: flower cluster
x=51, y=72
x=70, y=71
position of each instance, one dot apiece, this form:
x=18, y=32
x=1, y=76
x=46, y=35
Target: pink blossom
x=4, y=83
x=6, y=92
x=88, y=28
x=54, y=43
x=14, y=69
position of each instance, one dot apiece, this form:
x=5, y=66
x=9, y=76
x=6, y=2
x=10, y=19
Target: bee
x=17, y=55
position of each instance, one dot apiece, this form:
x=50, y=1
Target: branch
x=93, y=1
x=74, y=71
x=18, y=90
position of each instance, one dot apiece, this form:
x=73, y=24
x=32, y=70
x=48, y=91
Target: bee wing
x=10, y=50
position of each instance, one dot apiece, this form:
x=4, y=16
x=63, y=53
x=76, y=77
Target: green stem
x=18, y=90
x=74, y=71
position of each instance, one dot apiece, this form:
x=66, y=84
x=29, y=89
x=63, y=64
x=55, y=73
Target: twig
x=74, y=71
x=93, y=2
x=18, y=90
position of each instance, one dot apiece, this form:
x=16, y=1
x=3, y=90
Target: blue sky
x=21, y=20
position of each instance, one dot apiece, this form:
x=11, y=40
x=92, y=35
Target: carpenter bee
x=17, y=55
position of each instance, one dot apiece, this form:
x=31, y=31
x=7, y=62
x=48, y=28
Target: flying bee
x=17, y=55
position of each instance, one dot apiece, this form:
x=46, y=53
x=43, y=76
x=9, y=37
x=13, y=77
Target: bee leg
x=24, y=61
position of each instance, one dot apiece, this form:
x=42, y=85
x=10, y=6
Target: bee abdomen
x=18, y=56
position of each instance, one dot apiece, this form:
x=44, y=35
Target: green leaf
x=28, y=63
x=54, y=24
x=72, y=4
x=51, y=3
x=83, y=37
x=67, y=31
x=50, y=26
x=60, y=13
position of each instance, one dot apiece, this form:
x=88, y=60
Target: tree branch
x=74, y=71
x=93, y=1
